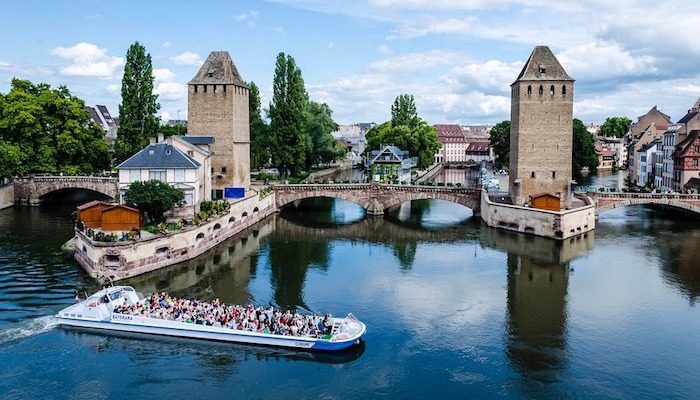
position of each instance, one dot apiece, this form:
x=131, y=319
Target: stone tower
x=217, y=105
x=541, y=129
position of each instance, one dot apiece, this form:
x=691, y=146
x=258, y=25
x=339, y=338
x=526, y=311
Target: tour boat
x=97, y=312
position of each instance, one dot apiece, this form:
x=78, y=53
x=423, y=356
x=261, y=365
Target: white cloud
x=384, y=49
x=4, y=64
x=247, y=16
x=113, y=88
x=171, y=91
x=419, y=61
x=166, y=45
x=431, y=26
x=163, y=74
x=187, y=58
x=601, y=60
x=88, y=59
x=492, y=76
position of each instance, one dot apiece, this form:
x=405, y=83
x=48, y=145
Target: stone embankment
x=7, y=195
x=119, y=260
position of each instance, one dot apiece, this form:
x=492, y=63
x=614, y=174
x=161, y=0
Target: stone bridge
x=606, y=201
x=375, y=198
x=30, y=189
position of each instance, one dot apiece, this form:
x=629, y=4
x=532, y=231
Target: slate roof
x=688, y=117
x=159, y=155
x=543, y=66
x=218, y=69
x=196, y=140
x=693, y=183
x=684, y=145
x=399, y=155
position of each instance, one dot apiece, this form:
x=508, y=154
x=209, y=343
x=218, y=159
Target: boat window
x=115, y=295
x=104, y=299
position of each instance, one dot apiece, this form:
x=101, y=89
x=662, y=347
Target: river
x=454, y=309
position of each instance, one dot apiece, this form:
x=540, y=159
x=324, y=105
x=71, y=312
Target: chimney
x=160, y=138
x=152, y=140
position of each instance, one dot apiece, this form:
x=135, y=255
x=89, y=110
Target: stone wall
x=116, y=261
x=223, y=114
x=7, y=196
x=541, y=139
x=29, y=189
x=550, y=224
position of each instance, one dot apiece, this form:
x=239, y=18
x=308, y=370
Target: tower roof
x=218, y=69
x=543, y=66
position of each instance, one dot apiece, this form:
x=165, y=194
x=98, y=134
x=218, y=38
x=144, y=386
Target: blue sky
x=458, y=57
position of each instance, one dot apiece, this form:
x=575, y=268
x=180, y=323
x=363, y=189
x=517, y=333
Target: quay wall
x=550, y=224
x=7, y=196
x=121, y=260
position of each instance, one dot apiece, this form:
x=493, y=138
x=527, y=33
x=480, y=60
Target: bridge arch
x=610, y=201
x=286, y=200
x=31, y=189
x=471, y=202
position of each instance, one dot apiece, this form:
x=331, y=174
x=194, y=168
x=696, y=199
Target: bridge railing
x=366, y=186
x=660, y=196
x=69, y=178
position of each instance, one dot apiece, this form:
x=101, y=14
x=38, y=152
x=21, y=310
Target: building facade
x=390, y=164
x=541, y=129
x=686, y=161
x=217, y=106
x=648, y=128
x=453, y=144
x=668, y=147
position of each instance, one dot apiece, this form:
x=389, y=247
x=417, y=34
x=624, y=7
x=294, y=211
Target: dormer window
x=210, y=73
x=151, y=152
x=542, y=69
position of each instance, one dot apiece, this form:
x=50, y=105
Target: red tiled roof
x=683, y=146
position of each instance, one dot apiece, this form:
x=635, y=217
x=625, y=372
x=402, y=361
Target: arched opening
x=255, y=210
x=429, y=213
x=323, y=211
x=563, y=90
x=200, y=235
x=529, y=90
x=72, y=196
x=245, y=214
x=551, y=90
x=541, y=90
x=232, y=220
x=217, y=226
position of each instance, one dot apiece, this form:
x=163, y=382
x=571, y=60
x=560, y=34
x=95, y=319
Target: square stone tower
x=541, y=132
x=217, y=105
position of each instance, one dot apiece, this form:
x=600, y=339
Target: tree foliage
x=154, y=198
x=407, y=131
x=259, y=131
x=137, y=112
x=48, y=130
x=172, y=130
x=500, y=142
x=319, y=126
x=615, y=127
x=583, y=149
x=289, y=144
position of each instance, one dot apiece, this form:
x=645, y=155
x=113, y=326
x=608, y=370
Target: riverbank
x=7, y=195
x=113, y=261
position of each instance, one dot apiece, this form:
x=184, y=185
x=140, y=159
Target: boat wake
x=29, y=328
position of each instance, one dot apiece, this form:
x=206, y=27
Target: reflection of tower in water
x=536, y=315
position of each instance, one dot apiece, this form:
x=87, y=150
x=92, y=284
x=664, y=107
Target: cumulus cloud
x=419, y=61
x=431, y=26
x=166, y=45
x=384, y=49
x=187, y=58
x=88, y=59
x=602, y=60
x=247, y=16
x=163, y=74
x=113, y=88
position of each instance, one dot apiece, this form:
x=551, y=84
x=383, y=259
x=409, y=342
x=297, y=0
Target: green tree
x=583, y=149
x=615, y=127
x=172, y=130
x=287, y=117
x=500, y=142
x=137, y=112
x=409, y=133
x=48, y=130
x=154, y=198
x=319, y=126
x=10, y=159
x=259, y=131
x=403, y=111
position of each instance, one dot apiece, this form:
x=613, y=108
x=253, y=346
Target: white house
x=167, y=163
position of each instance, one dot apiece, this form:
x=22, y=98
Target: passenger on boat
x=216, y=313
